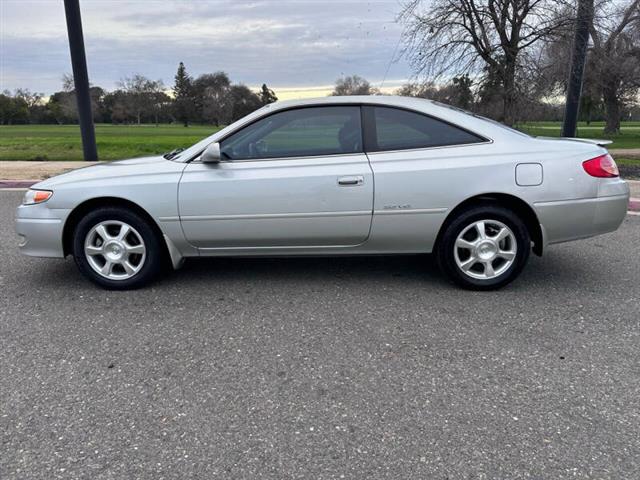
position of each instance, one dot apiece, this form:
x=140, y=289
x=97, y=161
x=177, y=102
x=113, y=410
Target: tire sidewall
x=152, y=261
x=446, y=246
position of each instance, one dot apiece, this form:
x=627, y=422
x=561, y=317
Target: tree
x=243, y=101
x=267, y=95
x=458, y=92
x=353, y=85
x=143, y=95
x=13, y=109
x=461, y=94
x=183, y=104
x=615, y=56
x=473, y=37
x=213, y=98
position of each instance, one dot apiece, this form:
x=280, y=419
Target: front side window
x=397, y=129
x=300, y=132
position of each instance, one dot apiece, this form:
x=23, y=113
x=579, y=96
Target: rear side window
x=396, y=129
x=300, y=132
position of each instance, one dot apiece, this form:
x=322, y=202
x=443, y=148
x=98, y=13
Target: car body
x=337, y=176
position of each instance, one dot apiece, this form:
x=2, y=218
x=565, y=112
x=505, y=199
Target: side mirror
x=211, y=154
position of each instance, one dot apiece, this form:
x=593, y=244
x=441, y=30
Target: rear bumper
x=567, y=220
x=40, y=230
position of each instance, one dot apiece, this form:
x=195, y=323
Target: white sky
x=297, y=47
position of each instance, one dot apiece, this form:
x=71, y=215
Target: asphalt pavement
x=356, y=368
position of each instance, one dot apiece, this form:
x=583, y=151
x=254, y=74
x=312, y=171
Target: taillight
x=603, y=166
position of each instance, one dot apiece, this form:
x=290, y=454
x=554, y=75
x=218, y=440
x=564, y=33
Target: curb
x=634, y=204
x=17, y=183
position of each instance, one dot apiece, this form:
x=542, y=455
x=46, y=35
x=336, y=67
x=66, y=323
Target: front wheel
x=484, y=247
x=116, y=249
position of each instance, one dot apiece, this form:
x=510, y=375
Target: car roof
x=394, y=100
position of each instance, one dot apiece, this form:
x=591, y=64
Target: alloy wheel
x=115, y=250
x=485, y=249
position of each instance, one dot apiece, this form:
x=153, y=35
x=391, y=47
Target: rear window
x=397, y=129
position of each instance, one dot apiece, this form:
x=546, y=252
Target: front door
x=296, y=178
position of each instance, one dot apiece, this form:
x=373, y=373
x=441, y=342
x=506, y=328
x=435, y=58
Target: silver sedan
x=332, y=176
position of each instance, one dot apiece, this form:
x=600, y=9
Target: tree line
x=517, y=54
x=505, y=59
x=210, y=98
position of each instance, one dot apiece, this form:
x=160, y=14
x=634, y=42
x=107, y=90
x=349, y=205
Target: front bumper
x=39, y=230
x=567, y=220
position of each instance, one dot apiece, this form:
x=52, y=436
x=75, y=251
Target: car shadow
x=410, y=268
x=554, y=270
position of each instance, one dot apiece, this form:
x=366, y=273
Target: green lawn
x=62, y=142
x=629, y=136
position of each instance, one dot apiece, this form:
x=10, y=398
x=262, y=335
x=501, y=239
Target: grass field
x=62, y=142
x=628, y=138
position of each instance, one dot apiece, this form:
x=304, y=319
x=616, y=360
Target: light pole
x=81, y=79
x=578, y=60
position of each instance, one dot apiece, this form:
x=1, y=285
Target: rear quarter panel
x=415, y=190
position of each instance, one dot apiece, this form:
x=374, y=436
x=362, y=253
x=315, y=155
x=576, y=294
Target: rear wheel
x=484, y=247
x=116, y=249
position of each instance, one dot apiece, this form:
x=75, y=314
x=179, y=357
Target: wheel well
x=517, y=205
x=81, y=210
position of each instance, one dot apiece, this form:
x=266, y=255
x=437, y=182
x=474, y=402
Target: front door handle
x=351, y=181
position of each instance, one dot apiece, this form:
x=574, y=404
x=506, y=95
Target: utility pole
x=578, y=60
x=81, y=79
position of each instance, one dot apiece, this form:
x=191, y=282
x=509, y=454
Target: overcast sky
x=294, y=46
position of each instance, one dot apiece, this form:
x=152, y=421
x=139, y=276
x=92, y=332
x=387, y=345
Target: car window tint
x=398, y=129
x=298, y=133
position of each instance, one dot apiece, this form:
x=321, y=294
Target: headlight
x=36, y=196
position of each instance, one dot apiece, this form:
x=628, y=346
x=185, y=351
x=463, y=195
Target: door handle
x=351, y=181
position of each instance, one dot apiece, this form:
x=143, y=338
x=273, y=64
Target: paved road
x=323, y=368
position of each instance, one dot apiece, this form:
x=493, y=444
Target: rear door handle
x=351, y=181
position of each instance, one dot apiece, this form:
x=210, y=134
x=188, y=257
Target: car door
x=295, y=178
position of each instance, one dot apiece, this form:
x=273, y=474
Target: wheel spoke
x=102, y=231
x=139, y=249
x=91, y=250
x=107, y=267
x=502, y=234
x=467, y=264
x=124, y=231
x=488, y=270
x=507, y=255
x=482, y=233
x=130, y=269
x=462, y=243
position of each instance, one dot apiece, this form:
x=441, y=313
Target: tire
x=134, y=260
x=475, y=262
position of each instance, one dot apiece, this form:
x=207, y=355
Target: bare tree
x=615, y=56
x=353, y=85
x=32, y=99
x=479, y=37
x=143, y=95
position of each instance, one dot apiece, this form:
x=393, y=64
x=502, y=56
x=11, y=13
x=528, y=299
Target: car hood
x=106, y=170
